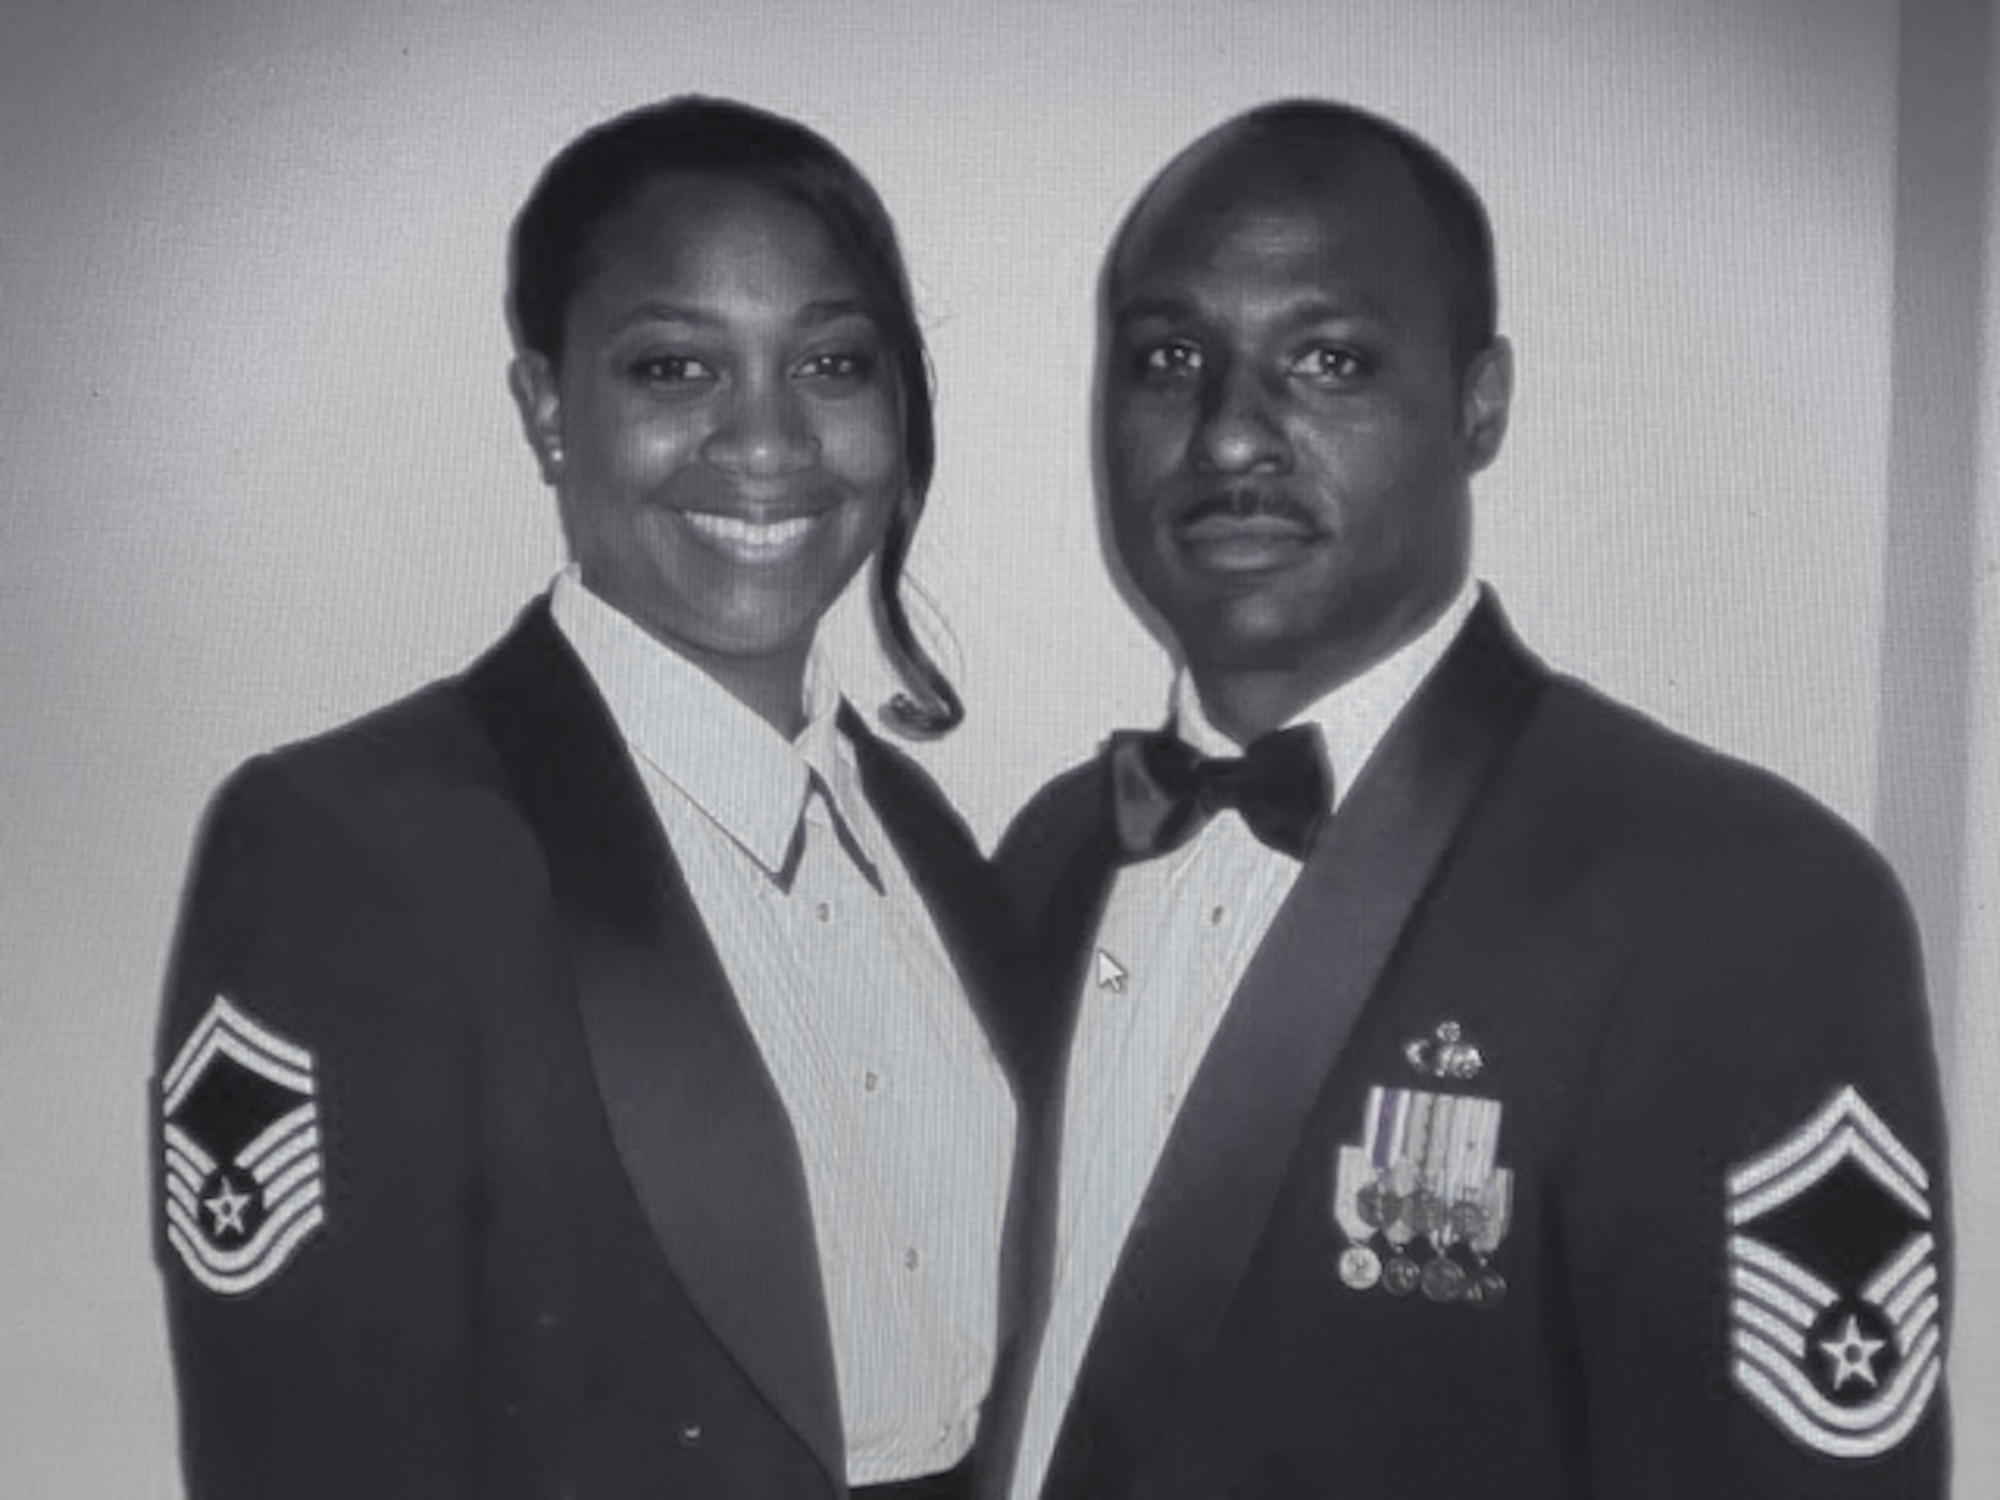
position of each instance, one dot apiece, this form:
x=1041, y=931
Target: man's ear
x=1485, y=394
x=532, y=379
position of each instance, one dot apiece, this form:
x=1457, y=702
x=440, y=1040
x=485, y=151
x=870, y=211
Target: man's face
x=1287, y=438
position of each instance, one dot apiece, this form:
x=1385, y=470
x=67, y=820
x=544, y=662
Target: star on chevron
x=227, y=1208
x=1853, y=1356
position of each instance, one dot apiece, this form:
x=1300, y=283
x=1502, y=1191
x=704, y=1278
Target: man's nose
x=1239, y=429
x=763, y=433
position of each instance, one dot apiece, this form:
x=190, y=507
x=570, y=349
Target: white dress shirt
x=903, y=1118
x=1181, y=931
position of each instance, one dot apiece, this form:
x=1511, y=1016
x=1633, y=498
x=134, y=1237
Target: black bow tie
x=1163, y=790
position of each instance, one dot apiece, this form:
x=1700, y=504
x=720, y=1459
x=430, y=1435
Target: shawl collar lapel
x=699, y=1127
x=1232, y=1145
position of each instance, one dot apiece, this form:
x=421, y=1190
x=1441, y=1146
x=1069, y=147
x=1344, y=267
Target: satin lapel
x=699, y=1127
x=1073, y=913
x=1231, y=1146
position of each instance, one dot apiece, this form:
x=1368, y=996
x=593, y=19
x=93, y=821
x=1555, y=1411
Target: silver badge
x=1836, y=1338
x=244, y=1173
x=1445, y=1054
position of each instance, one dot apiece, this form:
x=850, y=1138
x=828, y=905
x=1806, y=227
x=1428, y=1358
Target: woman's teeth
x=749, y=537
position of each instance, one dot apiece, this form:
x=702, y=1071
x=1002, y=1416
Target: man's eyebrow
x=1166, y=309
x=1339, y=304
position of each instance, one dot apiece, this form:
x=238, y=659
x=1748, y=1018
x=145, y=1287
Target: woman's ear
x=532, y=379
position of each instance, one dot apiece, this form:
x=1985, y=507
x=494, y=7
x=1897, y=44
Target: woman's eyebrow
x=668, y=312
x=812, y=314
x=832, y=309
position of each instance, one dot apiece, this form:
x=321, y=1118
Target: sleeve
x=1756, y=1209
x=313, y=1147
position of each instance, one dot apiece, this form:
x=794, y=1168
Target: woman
x=553, y=1063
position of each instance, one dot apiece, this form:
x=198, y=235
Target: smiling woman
x=565, y=1038
x=721, y=373
x=721, y=429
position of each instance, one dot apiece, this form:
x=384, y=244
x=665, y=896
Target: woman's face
x=724, y=430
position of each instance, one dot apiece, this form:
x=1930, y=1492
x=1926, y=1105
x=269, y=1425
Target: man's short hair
x=1465, y=234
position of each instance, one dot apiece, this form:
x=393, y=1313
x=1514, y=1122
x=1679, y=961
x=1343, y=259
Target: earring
x=553, y=454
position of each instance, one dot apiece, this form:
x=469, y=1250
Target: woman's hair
x=604, y=169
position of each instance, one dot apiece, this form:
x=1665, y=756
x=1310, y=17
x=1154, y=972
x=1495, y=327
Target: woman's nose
x=763, y=433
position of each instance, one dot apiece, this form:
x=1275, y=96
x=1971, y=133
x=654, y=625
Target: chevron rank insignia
x=240, y=1127
x=1834, y=1310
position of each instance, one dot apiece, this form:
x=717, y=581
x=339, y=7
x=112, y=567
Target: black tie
x=1163, y=790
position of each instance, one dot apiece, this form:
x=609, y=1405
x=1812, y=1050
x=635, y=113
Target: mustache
x=1243, y=502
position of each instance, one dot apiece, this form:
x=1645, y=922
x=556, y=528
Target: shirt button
x=1216, y=914
x=871, y=1081
x=690, y=1435
x=824, y=911
x=910, y=1259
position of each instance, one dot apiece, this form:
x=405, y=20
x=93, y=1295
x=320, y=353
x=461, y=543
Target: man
x=1471, y=1087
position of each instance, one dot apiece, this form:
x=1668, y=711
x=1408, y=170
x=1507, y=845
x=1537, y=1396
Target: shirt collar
x=1355, y=716
x=741, y=773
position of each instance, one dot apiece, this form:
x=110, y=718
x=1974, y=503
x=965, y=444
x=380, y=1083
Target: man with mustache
x=1464, y=1085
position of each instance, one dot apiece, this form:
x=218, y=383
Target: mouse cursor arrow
x=1110, y=973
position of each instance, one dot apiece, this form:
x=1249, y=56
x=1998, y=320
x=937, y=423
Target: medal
x=1377, y=1204
x=1427, y=1213
x=1400, y=1275
x=1409, y=1172
x=1486, y=1288
x=1444, y=1280
x=1385, y=1135
x=1430, y=1207
x=1496, y=1208
x=1360, y=1267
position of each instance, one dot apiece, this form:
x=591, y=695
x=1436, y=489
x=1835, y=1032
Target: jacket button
x=690, y=1435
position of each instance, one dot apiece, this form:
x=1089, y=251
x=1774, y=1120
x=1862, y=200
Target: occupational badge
x=1421, y=1201
x=1447, y=1053
x=1834, y=1305
x=240, y=1127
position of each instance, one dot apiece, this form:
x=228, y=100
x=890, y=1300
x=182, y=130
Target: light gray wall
x=1941, y=748
x=259, y=470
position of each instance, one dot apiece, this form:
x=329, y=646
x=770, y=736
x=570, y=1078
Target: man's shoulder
x=1664, y=794
x=1065, y=814
x=1066, y=819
